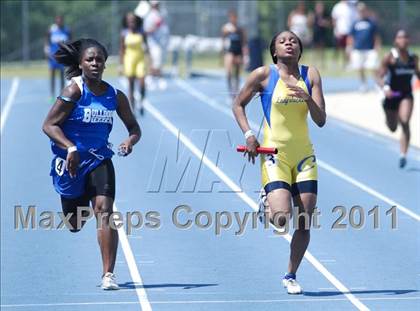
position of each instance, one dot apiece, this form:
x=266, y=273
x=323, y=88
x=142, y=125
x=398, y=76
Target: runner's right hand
x=251, y=148
x=388, y=93
x=72, y=163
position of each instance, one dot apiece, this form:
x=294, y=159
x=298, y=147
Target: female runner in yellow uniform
x=133, y=47
x=288, y=91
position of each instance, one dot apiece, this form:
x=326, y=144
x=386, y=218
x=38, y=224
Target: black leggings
x=100, y=181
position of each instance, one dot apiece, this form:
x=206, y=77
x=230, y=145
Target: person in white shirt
x=299, y=22
x=158, y=36
x=343, y=15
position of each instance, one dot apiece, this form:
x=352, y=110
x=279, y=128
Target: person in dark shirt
x=364, y=42
x=394, y=76
x=320, y=30
x=234, y=52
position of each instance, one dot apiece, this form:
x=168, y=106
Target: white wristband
x=71, y=149
x=386, y=88
x=248, y=134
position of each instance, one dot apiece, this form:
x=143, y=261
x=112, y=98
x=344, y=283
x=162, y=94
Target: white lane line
x=9, y=102
x=170, y=302
x=132, y=267
x=212, y=103
x=367, y=189
x=238, y=191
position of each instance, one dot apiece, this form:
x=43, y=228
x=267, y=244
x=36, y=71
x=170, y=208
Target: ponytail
x=70, y=54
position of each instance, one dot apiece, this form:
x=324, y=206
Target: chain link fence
x=24, y=23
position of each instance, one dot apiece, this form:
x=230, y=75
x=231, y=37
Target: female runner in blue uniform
x=78, y=125
x=395, y=74
x=56, y=34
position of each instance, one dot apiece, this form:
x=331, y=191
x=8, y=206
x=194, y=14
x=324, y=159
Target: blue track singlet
x=88, y=127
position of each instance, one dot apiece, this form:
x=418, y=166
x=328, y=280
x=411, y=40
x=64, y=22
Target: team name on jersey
x=288, y=100
x=97, y=116
x=404, y=71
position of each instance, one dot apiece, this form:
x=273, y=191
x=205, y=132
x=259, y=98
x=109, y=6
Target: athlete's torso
x=234, y=36
x=133, y=42
x=57, y=35
x=285, y=116
x=90, y=122
x=401, y=73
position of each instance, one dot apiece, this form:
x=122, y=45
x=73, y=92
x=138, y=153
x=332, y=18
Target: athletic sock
x=290, y=276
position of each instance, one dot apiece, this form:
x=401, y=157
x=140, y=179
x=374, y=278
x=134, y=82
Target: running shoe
x=293, y=287
x=109, y=282
x=403, y=162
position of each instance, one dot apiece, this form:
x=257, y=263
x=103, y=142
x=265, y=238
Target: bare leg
x=61, y=71
x=236, y=73
x=142, y=84
x=279, y=202
x=228, y=68
x=391, y=119
x=300, y=240
x=131, y=92
x=107, y=237
x=404, y=114
x=52, y=82
x=362, y=76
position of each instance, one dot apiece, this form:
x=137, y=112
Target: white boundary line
x=9, y=102
x=212, y=103
x=304, y=300
x=199, y=154
x=128, y=253
x=132, y=266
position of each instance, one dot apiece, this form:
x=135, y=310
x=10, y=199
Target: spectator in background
x=234, y=39
x=364, y=42
x=321, y=25
x=299, y=22
x=57, y=33
x=158, y=37
x=133, y=48
x=343, y=16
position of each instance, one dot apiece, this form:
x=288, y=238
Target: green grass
x=214, y=61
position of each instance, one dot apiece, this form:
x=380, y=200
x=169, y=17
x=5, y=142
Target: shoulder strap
x=267, y=93
x=79, y=81
x=305, y=77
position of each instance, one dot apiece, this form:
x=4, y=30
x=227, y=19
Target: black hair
x=139, y=21
x=232, y=12
x=70, y=55
x=273, y=45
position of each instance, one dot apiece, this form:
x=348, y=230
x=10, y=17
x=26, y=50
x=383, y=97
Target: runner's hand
x=298, y=92
x=388, y=94
x=251, y=148
x=125, y=148
x=72, y=163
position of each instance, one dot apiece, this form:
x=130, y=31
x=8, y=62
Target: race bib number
x=270, y=160
x=60, y=165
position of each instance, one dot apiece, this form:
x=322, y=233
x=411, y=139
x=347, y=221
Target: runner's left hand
x=298, y=92
x=125, y=148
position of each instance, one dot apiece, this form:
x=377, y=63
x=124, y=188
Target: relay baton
x=263, y=150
